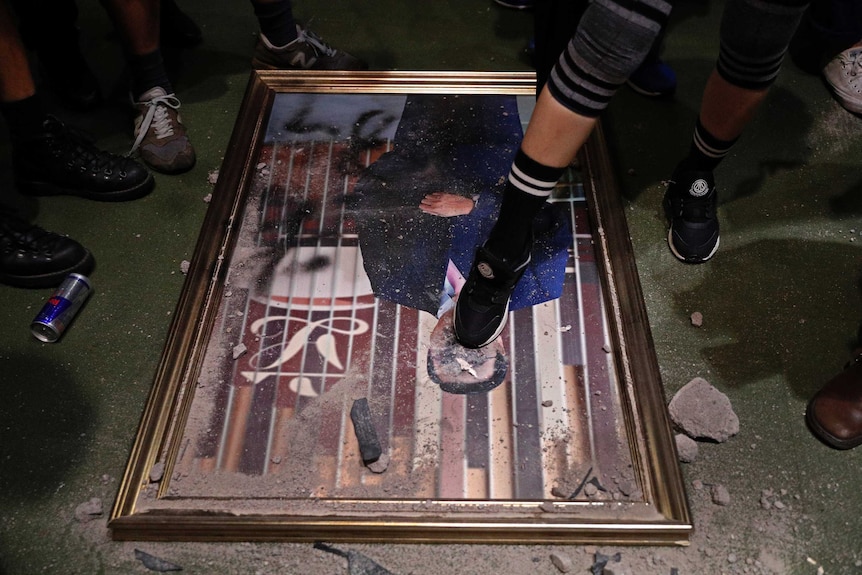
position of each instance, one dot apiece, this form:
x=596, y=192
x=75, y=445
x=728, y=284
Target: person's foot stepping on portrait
x=482, y=306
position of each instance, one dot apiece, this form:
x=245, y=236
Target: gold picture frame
x=169, y=492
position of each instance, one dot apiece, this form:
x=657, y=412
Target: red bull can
x=60, y=308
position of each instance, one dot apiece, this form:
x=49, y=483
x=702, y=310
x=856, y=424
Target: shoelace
x=157, y=117
x=316, y=41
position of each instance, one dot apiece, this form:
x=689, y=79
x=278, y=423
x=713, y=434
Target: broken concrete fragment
x=558, y=492
x=357, y=563
x=562, y=562
x=239, y=350
x=154, y=563
x=548, y=507
x=720, y=495
x=686, y=448
x=380, y=465
x=703, y=412
x=697, y=319
x=366, y=435
x=89, y=510
x=157, y=471
x=601, y=561
x=184, y=266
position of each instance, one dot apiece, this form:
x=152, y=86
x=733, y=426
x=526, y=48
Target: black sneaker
x=61, y=161
x=482, y=307
x=690, y=206
x=31, y=257
x=307, y=52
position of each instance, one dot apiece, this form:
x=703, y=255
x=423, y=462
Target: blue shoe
x=517, y=4
x=653, y=79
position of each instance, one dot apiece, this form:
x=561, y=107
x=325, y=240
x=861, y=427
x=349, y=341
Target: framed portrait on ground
x=311, y=387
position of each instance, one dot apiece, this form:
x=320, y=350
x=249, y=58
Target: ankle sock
x=276, y=21
x=148, y=71
x=706, y=151
x=24, y=117
x=529, y=186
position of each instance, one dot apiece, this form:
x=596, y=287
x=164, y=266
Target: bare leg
x=16, y=82
x=555, y=133
x=137, y=22
x=727, y=109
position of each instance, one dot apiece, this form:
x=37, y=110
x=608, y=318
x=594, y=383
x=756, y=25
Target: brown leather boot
x=834, y=414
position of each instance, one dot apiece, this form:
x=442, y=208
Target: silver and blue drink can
x=61, y=307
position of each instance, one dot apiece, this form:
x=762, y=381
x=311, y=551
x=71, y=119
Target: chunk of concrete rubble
x=703, y=412
x=239, y=350
x=366, y=434
x=697, y=319
x=562, y=562
x=89, y=510
x=154, y=563
x=686, y=448
x=720, y=495
x=157, y=471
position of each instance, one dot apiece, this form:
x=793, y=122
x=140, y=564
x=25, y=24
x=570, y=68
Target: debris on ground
x=239, y=350
x=601, y=561
x=184, y=266
x=208, y=198
x=357, y=563
x=89, y=510
x=154, y=563
x=380, y=465
x=703, y=412
x=157, y=471
x=562, y=562
x=686, y=448
x=212, y=177
x=697, y=319
x=769, y=499
x=366, y=435
x=720, y=495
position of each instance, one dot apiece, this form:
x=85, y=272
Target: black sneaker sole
x=42, y=189
x=471, y=345
x=690, y=259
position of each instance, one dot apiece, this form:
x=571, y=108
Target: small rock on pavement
x=703, y=412
x=154, y=563
x=686, y=448
x=157, y=471
x=89, y=510
x=720, y=495
x=697, y=319
x=562, y=562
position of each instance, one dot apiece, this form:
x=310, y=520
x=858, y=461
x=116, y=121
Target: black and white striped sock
x=529, y=186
